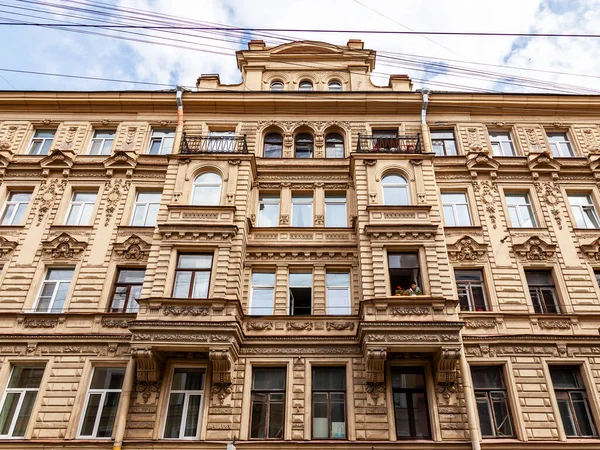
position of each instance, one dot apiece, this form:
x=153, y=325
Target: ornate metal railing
x=213, y=144
x=400, y=144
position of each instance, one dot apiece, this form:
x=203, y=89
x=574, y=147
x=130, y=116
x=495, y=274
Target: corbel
x=375, y=365
x=447, y=373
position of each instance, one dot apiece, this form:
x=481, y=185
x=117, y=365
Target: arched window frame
x=335, y=86
x=277, y=86
x=336, y=139
x=207, y=193
x=270, y=136
x=301, y=136
x=306, y=86
x=387, y=188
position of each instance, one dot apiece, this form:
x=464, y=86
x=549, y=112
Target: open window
x=403, y=270
x=300, y=289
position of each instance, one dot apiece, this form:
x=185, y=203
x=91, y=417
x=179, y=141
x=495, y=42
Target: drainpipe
x=179, y=130
x=125, y=400
x=469, y=403
x=426, y=141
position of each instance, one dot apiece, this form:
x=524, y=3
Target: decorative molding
x=590, y=140
x=222, y=365
x=549, y=194
x=111, y=323
x=481, y=323
x=319, y=220
x=63, y=246
x=447, y=373
x=6, y=247
x=535, y=249
x=40, y=323
x=134, y=248
x=259, y=326
x=487, y=191
x=185, y=310
x=481, y=161
x=409, y=310
x=467, y=249
x=554, y=324
x=114, y=190
x=542, y=162
x=339, y=326
x=147, y=389
x=48, y=192
x=299, y=326
x=149, y=366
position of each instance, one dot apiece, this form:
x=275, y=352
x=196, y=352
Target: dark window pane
x=502, y=414
x=409, y=378
x=487, y=377
x=109, y=413
x=401, y=412
x=539, y=277
x=26, y=377
x=188, y=379
x=174, y=415
x=485, y=414
x=276, y=419
x=565, y=377
x=329, y=378
x=269, y=378
x=8, y=411
x=193, y=415
x=259, y=415
x=420, y=414
x=582, y=413
x=566, y=414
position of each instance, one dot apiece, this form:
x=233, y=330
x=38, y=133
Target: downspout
x=426, y=141
x=469, y=403
x=179, y=130
x=125, y=400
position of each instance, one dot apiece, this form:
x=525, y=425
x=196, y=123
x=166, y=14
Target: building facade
x=304, y=260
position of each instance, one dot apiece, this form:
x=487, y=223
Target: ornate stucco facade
x=278, y=224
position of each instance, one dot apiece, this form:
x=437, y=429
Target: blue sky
x=67, y=52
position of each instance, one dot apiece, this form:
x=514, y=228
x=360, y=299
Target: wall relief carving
x=114, y=190
x=467, y=249
x=534, y=249
x=134, y=248
x=63, y=246
x=47, y=194
x=549, y=194
x=487, y=191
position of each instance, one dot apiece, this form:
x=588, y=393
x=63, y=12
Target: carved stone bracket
x=149, y=365
x=447, y=371
x=63, y=246
x=222, y=365
x=590, y=249
x=375, y=365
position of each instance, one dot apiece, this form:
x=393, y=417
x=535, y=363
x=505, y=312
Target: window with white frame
x=583, y=211
x=502, y=144
x=268, y=210
x=54, y=290
x=185, y=404
x=15, y=207
x=520, y=210
x=41, y=142
x=335, y=210
x=102, y=142
x=560, y=145
x=443, y=142
x=81, y=208
x=207, y=189
x=102, y=402
x=456, y=209
x=262, y=294
x=161, y=142
x=300, y=293
x=302, y=210
x=334, y=146
x=18, y=400
x=145, y=209
x=395, y=190
x=338, y=293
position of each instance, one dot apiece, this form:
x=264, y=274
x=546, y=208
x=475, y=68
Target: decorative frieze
x=185, y=310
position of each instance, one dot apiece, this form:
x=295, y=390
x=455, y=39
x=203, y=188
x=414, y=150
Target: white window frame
x=137, y=204
x=73, y=203
x=21, y=392
x=103, y=141
x=58, y=283
x=517, y=208
x=203, y=184
x=555, y=146
x=503, y=139
x=17, y=204
x=42, y=140
x=336, y=199
x=153, y=138
x=268, y=199
x=302, y=199
x=263, y=287
x=102, y=393
x=583, y=208
x=334, y=287
x=185, y=406
x=394, y=185
x=454, y=211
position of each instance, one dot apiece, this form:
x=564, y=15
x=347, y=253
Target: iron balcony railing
x=399, y=144
x=213, y=144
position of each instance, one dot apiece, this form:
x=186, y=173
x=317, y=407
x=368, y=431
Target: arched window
x=335, y=85
x=273, y=145
x=395, y=190
x=305, y=85
x=277, y=86
x=304, y=146
x=207, y=189
x=334, y=146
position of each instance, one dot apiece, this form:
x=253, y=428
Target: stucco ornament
x=590, y=140
x=49, y=191
x=115, y=190
x=549, y=194
x=7, y=141
x=487, y=191
x=473, y=140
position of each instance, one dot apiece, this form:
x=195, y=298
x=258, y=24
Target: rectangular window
x=404, y=269
x=300, y=290
x=335, y=210
x=102, y=402
x=456, y=209
x=102, y=142
x=443, y=142
x=145, y=210
x=18, y=400
x=492, y=402
x=410, y=403
x=185, y=404
x=15, y=207
x=542, y=291
x=268, y=210
x=329, y=402
x=161, y=142
x=268, y=403
x=302, y=210
x=81, y=208
x=572, y=400
x=128, y=290
x=192, y=276
x=54, y=290
x=520, y=211
x=583, y=211
x=471, y=291
x=41, y=142
x=262, y=294
x=338, y=293
x=502, y=144
x=560, y=145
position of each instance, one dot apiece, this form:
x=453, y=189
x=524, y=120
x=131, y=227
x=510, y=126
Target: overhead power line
x=297, y=30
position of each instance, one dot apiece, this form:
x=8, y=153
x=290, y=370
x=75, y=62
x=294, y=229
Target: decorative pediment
x=58, y=159
x=121, y=160
x=467, y=248
x=590, y=248
x=222, y=366
x=542, y=162
x=134, y=248
x=447, y=372
x=63, y=246
x=481, y=161
x=6, y=247
x=533, y=249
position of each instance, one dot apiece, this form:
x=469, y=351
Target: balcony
x=213, y=144
x=409, y=144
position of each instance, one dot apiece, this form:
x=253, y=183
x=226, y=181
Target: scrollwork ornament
x=47, y=194
x=114, y=189
x=375, y=390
